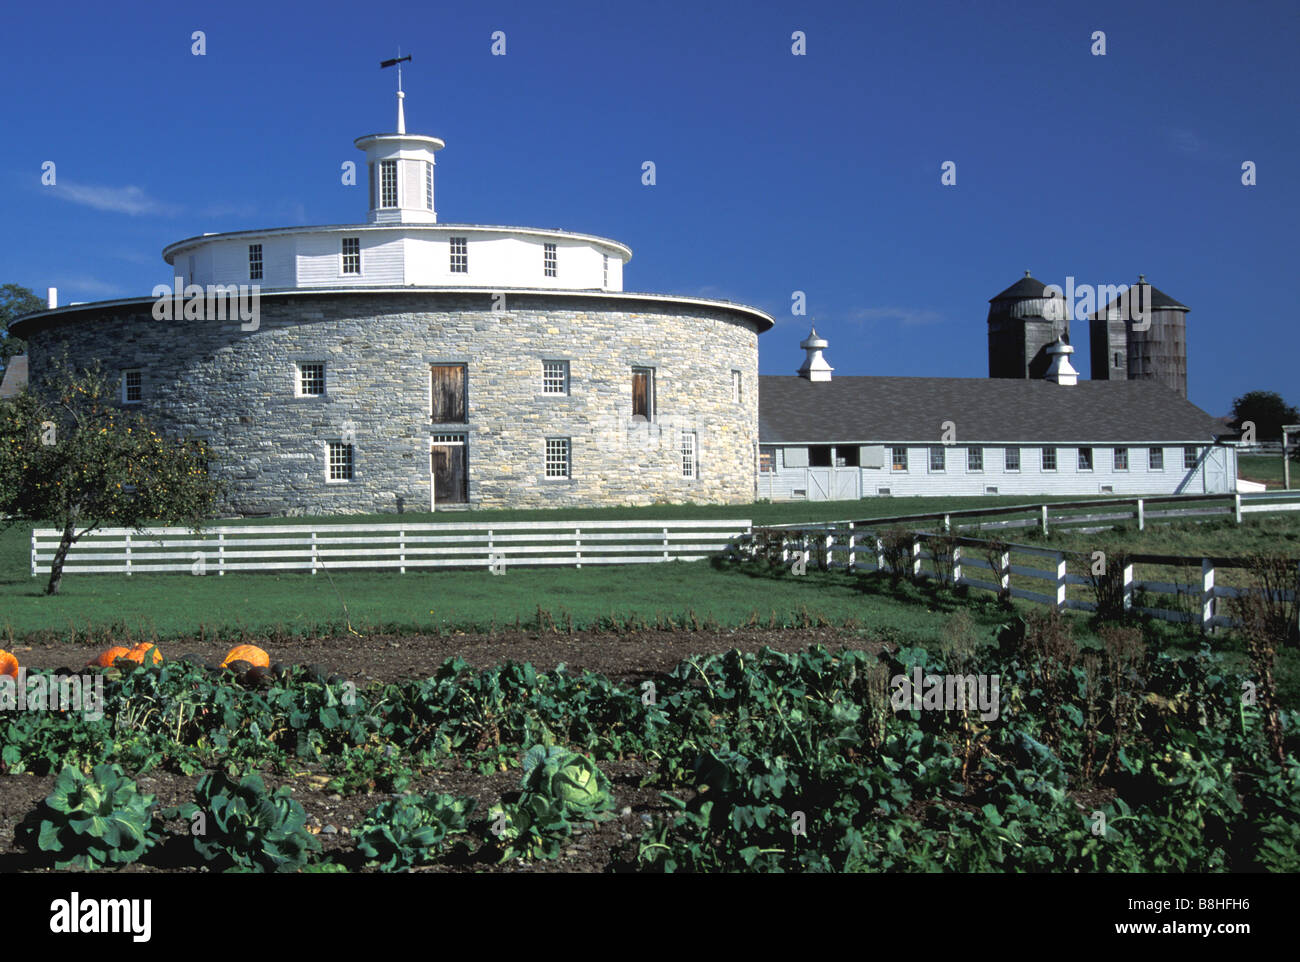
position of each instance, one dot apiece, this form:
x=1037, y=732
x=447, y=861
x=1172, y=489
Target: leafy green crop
x=89, y=822
x=246, y=829
x=413, y=829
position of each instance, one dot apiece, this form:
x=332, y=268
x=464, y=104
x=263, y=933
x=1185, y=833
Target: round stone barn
x=403, y=364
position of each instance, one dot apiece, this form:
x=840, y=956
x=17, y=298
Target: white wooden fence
x=300, y=547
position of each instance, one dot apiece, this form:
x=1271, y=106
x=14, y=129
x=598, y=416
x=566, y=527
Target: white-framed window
x=555, y=377
x=1085, y=459
x=557, y=458
x=388, y=183
x=254, y=262
x=1049, y=459
x=604, y=267
x=460, y=255
x=311, y=378
x=428, y=185
x=938, y=458
x=340, y=462
x=690, y=457
x=1121, y=459
x=735, y=387
x=1013, y=459
x=132, y=387
x=766, y=460
x=900, y=459
x=352, y=255
x=1156, y=459
x=548, y=260
x=1190, y=457
x=974, y=459
x=643, y=394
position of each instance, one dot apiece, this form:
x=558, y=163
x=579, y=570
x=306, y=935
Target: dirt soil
x=601, y=848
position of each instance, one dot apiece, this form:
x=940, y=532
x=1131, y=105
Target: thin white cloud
x=907, y=316
x=120, y=200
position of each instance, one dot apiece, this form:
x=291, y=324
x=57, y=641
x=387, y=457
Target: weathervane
x=397, y=61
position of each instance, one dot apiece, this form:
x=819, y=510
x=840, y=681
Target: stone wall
x=237, y=390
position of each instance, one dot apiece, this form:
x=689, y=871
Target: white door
x=846, y=484
x=1216, y=471
x=819, y=484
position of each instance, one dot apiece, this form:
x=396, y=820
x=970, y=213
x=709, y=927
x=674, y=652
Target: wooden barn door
x=448, y=476
x=447, y=393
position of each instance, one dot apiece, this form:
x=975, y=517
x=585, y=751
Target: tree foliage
x=15, y=301
x=72, y=455
x=1269, y=412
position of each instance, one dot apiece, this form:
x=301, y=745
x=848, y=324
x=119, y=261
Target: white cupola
x=401, y=172
x=814, y=366
x=1061, y=370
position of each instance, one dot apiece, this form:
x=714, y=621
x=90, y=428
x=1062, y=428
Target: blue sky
x=775, y=172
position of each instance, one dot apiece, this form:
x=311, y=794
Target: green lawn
x=1266, y=468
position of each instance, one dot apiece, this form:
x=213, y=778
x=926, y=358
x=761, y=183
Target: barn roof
x=984, y=410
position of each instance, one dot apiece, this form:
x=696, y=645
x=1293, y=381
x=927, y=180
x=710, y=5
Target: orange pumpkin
x=141, y=651
x=250, y=653
x=108, y=658
x=8, y=664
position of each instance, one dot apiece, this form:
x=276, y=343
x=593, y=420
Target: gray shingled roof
x=1160, y=301
x=993, y=410
x=1026, y=287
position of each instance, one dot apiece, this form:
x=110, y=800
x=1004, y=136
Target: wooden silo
x=1023, y=321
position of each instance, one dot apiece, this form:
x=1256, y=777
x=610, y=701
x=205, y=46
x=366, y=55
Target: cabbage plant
x=569, y=779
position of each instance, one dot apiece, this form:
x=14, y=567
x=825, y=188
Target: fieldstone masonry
x=237, y=389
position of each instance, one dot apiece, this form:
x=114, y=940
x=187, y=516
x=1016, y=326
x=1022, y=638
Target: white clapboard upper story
x=402, y=244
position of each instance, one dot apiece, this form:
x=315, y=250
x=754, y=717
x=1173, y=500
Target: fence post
x=1004, y=575
x=33, y=552
x=785, y=549
x=577, y=544
x=956, y=565
x=830, y=549
x=1142, y=515
x=314, y=562
x=1207, y=594
x=916, y=557
x=1128, y=585
x=128, y=554
x=401, y=551
x=1236, y=507
x=221, y=553
x=665, y=544
x=947, y=523
x=1060, y=579
x=852, y=544
x=805, y=550
x=1044, y=519
x=880, y=553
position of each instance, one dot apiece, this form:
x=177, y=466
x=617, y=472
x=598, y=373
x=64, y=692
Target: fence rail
x=495, y=545
x=1082, y=514
x=846, y=545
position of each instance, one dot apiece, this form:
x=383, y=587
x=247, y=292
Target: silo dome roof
x=1027, y=287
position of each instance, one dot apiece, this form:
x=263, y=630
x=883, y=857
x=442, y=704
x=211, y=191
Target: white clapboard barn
x=837, y=438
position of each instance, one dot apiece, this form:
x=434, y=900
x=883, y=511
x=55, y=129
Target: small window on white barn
x=1121, y=459
x=1156, y=459
x=938, y=459
x=1013, y=459
x=1108, y=489
x=311, y=379
x=548, y=260
x=555, y=377
x=557, y=458
x=1190, y=457
x=1049, y=459
x=254, y=262
x=766, y=460
x=340, y=461
x=132, y=387
x=690, y=457
x=900, y=459
x=991, y=489
x=460, y=255
x=974, y=459
x=883, y=492
x=352, y=255
x=1085, y=459
x=388, y=183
